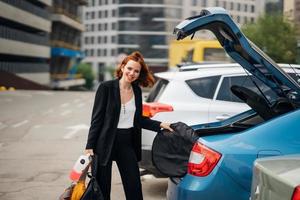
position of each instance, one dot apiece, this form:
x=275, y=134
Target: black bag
x=171, y=151
x=93, y=191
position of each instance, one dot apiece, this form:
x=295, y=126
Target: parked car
x=221, y=161
x=276, y=178
x=206, y=88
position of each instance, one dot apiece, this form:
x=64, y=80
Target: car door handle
x=222, y=117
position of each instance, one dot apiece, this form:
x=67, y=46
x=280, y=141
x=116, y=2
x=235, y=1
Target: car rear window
x=157, y=90
x=225, y=93
x=204, y=87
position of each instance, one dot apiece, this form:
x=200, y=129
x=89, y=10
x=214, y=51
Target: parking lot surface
x=42, y=133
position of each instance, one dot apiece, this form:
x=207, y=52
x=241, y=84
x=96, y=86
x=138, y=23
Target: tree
x=87, y=73
x=276, y=36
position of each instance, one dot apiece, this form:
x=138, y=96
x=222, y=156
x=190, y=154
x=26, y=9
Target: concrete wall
x=25, y=49
x=15, y=14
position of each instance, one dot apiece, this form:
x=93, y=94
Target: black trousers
x=124, y=155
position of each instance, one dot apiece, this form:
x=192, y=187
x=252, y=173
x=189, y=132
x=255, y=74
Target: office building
x=65, y=43
x=24, y=38
x=120, y=27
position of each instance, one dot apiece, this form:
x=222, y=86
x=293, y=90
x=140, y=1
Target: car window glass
x=157, y=90
x=225, y=93
x=204, y=87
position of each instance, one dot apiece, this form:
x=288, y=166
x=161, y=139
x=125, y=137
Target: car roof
x=205, y=70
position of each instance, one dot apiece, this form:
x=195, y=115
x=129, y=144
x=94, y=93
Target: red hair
x=145, y=78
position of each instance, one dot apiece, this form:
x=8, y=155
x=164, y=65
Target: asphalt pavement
x=42, y=133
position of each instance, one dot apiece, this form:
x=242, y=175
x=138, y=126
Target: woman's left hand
x=166, y=126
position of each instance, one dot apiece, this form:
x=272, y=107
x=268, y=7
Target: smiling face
x=131, y=71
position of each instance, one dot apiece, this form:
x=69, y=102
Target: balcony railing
x=19, y=67
x=13, y=34
x=63, y=44
x=24, y=5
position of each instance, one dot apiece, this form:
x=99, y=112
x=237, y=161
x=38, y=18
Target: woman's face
x=131, y=71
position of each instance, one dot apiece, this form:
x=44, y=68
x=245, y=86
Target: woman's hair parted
x=145, y=78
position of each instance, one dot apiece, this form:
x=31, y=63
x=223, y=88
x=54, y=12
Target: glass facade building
x=115, y=27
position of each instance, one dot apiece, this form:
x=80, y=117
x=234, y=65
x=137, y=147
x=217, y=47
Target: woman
x=115, y=132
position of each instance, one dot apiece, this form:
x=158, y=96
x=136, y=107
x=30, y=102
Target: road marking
x=75, y=129
x=20, y=123
x=48, y=112
x=2, y=126
x=37, y=126
x=80, y=105
x=65, y=112
x=76, y=100
x=64, y=105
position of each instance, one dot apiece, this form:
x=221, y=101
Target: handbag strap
x=94, y=165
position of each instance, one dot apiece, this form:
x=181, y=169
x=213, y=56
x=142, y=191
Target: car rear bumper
x=215, y=186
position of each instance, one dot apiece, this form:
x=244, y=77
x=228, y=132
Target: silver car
x=276, y=178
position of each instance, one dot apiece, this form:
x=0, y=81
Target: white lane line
x=37, y=126
x=20, y=123
x=80, y=105
x=65, y=112
x=76, y=100
x=64, y=105
x=74, y=130
x=2, y=126
x=48, y=112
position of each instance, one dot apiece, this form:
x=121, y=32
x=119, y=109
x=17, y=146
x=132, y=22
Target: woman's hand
x=89, y=151
x=166, y=126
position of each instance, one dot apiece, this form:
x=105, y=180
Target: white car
x=195, y=94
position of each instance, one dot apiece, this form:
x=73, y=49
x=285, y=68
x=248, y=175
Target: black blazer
x=105, y=118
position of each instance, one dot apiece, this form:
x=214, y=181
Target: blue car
x=221, y=161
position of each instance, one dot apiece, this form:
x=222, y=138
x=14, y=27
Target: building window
x=100, y=2
x=105, y=26
x=99, y=14
x=105, y=52
x=92, y=52
x=238, y=6
x=231, y=6
x=99, y=27
x=113, y=26
x=204, y=3
x=252, y=9
x=224, y=4
x=238, y=19
x=92, y=15
x=194, y=3
x=113, y=52
x=217, y=2
x=113, y=39
x=99, y=39
x=92, y=27
x=99, y=52
x=246, y=8
x=245, y=20
x=106, y=13
x=114, y=13
x=86, y=40
x=105, y=39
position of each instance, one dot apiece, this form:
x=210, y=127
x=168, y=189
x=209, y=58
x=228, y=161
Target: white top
x=127, y=114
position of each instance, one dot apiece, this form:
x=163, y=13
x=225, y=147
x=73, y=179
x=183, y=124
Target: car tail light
x=150, y=109
x=296, y=194
x=202, y=160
